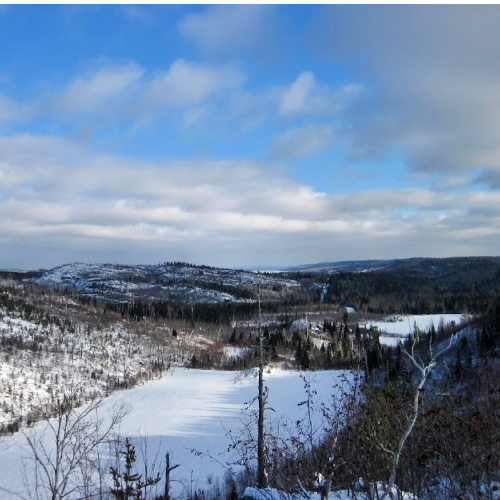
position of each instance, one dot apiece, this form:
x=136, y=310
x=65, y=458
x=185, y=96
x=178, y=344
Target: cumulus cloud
x=294, y=98
x=12, y=112
x=306, y=97
x=7, y=109
x=231, y=29
x=186, y=84
x=217, y=212
x=437, y=76
x=127, y=96
x=302, y=142
x=85, y=94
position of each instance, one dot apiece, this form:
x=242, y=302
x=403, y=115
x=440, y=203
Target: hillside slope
x=169, y=281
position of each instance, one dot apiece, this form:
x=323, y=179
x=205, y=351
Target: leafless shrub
x=63, y=455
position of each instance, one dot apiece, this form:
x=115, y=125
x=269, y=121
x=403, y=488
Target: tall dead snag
x=423, y=370
x=262, y=480
x=168, y=469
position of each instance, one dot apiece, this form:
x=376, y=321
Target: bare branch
x=63, y=450
x=424, y=371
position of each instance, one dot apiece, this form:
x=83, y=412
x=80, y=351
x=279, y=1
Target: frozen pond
x=399, y=327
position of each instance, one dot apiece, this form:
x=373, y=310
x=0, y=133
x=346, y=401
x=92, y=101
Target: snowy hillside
x=42, y=354
x=49, y=342
x=357, y=266
x=175, y=281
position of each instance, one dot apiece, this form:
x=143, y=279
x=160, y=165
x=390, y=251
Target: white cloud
x=126, y=96
x=186, y=84
x=218, y=212
x=295, y=98
x=437, y=82
x=306, y=97
x=302, y=142
x=231, y=29
x=7, y=109
x=108, y=84
x=13, y=112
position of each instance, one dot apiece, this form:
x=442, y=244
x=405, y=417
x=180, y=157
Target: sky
x=248, y=135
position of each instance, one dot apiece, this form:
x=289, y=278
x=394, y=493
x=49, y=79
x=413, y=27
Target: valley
x=180, y=345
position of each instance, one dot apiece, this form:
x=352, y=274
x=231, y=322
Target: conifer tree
x=128, y=485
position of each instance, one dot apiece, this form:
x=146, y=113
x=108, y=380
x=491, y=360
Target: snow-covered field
x=398, y=328
x=185, y=410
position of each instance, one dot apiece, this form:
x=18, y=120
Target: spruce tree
x=128, y=485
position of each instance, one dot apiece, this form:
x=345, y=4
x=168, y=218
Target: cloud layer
x=253, y=135
x=439, y=83
x=239, y=209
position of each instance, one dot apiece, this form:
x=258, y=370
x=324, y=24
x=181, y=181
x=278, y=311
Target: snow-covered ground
x=185, y=410
x=193, y=283
x=38, y=360
x=377, y=491
x=397, y=328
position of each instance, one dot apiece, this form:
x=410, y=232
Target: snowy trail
x=185, y=410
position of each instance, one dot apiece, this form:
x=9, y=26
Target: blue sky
x=248, y=135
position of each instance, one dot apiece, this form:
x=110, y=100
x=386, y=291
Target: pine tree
x=458, y=366
x=305, y=362
x=128, y=485
x=298, y=348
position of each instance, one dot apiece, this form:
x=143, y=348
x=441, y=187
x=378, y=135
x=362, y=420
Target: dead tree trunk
x=168, y=470
x=262, y=479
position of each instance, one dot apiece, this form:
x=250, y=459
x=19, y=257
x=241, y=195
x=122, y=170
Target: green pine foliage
x=128, y=484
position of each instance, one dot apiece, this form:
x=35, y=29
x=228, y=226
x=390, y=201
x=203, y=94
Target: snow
x=390, y=341
x=186, y=410
x=399, y=327
x=120, y=282
x=273, y=494
x=300, y=324
x=377, y=491
x=232, y=352
x=57, y=355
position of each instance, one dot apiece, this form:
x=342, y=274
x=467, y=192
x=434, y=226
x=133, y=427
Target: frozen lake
x=185, y=410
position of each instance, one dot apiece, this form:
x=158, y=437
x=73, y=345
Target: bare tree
x=251, y=440
x=168, y=469
x=63, y=456
x=262, y=477
x=309, y=447
x=423, y=369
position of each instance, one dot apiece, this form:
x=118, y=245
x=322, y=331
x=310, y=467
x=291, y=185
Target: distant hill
x=343, y=266
x=419, y=285
x=173, y=281
x=448, y=268
x=417, y=266
x=352, y=282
